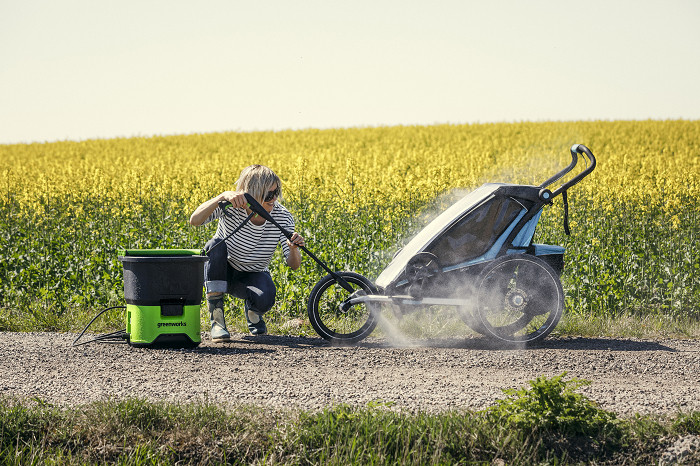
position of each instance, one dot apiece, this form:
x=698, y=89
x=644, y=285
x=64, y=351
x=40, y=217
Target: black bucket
x=148, y=280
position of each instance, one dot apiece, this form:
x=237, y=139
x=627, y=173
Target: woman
x=240, y=266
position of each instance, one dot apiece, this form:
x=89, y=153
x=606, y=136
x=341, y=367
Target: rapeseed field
x=358, y=194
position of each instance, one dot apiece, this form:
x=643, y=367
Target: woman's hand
x=237, y=199
x=206, y=208
x=295, y=241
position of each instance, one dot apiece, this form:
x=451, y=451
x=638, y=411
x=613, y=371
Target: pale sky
x=74, y=70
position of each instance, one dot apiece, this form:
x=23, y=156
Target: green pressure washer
x=163, y=293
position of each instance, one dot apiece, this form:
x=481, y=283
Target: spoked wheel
x=520, y=299
x=331, y=315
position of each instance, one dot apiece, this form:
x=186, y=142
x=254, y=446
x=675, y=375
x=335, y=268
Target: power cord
x=120, y=336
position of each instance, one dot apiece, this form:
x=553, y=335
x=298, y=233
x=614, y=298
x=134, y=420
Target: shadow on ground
x=242, y=344
x=567, y=343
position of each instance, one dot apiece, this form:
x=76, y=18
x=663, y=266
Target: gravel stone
x=685, y=450
x=628, y=376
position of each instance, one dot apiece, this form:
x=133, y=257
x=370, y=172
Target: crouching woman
x=240, y=266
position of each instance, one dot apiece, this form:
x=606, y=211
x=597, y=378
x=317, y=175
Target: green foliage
x=687, y=423
x=24, y=424
x=628, y=257
x=131, y=431
x=551, y=405
x=346, y=435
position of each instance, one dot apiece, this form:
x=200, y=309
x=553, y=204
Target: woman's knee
x=262, y=294
x=215, y=269
x=260, y=302
x=215, y=250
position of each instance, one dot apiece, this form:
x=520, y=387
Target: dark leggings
x=256, y=288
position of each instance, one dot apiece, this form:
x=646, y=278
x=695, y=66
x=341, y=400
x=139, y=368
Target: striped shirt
x=251, y=248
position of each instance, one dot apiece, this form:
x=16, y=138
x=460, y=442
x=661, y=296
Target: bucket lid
x=159, y=252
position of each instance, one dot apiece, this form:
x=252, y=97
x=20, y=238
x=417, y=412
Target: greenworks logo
x=172, y=324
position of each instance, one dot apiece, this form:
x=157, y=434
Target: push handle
x=576, y=149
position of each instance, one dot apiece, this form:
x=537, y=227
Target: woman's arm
x=294, y=258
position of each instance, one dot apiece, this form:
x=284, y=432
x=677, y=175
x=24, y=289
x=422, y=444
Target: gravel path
x=627, y=376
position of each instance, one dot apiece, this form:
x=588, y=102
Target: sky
x=86, y=69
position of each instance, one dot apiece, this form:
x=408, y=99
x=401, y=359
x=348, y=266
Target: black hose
x=113, y=337
x=223, y=206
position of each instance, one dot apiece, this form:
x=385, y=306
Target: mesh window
x=474, y=234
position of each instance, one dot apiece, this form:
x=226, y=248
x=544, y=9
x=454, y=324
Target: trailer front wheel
x=333, y=318
x=520, y=299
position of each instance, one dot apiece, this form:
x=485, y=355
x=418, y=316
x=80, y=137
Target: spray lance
x=257, y=209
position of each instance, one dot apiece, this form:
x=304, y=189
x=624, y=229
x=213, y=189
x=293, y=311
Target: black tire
x=330, y=321
x=472, y=321
x=520, y=299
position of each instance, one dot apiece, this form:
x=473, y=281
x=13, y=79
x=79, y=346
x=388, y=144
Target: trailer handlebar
x=576, y=149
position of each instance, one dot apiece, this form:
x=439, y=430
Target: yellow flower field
x=635, y=157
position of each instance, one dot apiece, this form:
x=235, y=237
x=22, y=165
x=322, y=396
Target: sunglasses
x=272, y=194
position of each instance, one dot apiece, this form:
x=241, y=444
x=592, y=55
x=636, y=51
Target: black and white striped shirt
x=251, y=248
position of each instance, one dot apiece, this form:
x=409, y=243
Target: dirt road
x=627, y=375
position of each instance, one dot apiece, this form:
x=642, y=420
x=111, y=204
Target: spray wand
x=257, y=209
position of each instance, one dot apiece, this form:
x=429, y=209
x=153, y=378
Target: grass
x=629, y=325
x=545, y=423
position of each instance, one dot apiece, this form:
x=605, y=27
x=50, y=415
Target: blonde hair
x=257, y=180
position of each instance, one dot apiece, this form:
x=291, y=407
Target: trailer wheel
x=330, y=315
x=520, y=299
